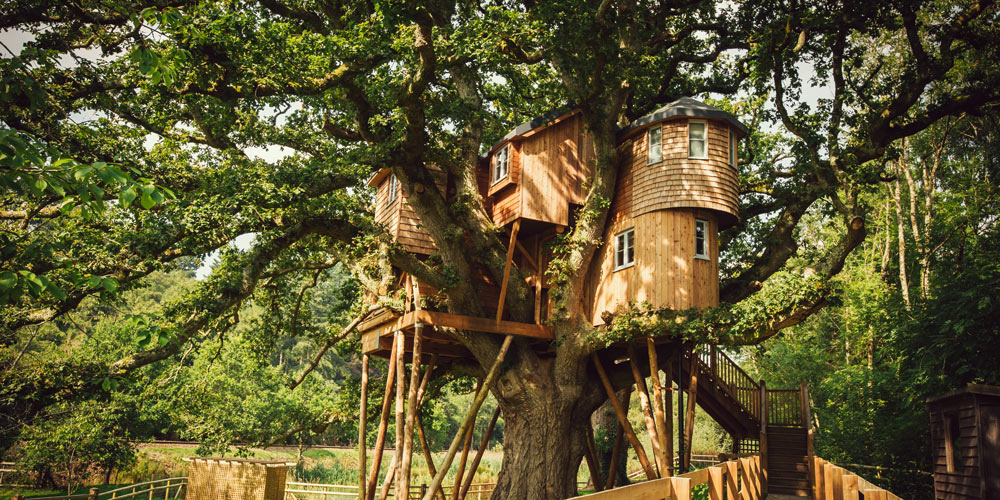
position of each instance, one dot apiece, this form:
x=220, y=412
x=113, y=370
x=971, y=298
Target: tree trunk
x=543, y=448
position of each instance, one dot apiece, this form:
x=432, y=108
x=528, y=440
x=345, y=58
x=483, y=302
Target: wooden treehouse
x=677, y=188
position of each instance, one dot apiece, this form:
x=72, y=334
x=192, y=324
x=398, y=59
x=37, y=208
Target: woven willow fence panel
x=236, y=479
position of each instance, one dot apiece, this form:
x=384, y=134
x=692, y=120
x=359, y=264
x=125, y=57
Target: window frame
x=704, y=139
x=630, y=241
x=705, y=255
x=506, y=164
x=393, y=189
x=659, y=144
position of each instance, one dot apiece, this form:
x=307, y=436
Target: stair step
x=798, y=468
x=788, y=490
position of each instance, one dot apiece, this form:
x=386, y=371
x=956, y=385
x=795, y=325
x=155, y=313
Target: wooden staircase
x=772, y=422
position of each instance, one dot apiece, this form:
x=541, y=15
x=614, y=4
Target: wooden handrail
x=741, y=478
x=832, y=482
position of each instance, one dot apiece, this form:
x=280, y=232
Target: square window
x=500, y=165
x=701, y=239
x=697, y=147
x=624, y=249
x=654, y=144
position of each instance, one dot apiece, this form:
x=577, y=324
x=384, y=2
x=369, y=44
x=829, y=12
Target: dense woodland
x=139, y=137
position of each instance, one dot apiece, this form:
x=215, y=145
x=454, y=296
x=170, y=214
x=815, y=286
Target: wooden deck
x=376, y=333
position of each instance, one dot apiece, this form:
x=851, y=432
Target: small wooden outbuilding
x=965, y=442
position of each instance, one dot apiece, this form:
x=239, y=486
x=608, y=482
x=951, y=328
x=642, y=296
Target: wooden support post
x=716, y=482
x=747, y=493
x=469, y=418
x=92, y=494
x=400, y=403
x=383, y=424
x=506, y=268
x=390, y=475
x=660, y=418
x=647, y=412
x=479, y=454
x=465, y=456
x=763, y=434
x=680, y=488
x=838, y=483
x=403, y=481
x=828, y=482
x=816, y=473
x=623, y=418
x=363, y=429
x=850, y=487
x=680, y=412
x=428, y=458
x=689, y=420
x=590, y=454
x=732, y=483
x=668, y=405
x=616, y=452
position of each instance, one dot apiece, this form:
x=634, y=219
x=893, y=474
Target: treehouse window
x=696, y=140
x=393, y=188
x=624, y=249
x=500, y=165
x=655, y=145
x=701, y=239
x=732, y=148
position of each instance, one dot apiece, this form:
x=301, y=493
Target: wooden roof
x=685, y=106
x=988, y=390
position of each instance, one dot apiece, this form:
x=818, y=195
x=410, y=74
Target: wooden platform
x=377, y=332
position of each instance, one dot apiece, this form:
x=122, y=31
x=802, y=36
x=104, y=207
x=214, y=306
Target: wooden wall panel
x=400, y=219
x=547, y=159
x=679, y=181
x=964, y=481
x=506, y=205
x=665, y=273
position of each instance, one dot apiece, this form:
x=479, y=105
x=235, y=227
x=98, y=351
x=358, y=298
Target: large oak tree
x=267, y=117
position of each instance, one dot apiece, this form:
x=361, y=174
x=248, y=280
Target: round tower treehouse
x=677, y=188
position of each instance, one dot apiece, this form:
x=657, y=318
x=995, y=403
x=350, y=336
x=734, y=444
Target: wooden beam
x=590, y=454
x=747, y=493
x=623, y=418
x=403, y=481
x=850, y=487
x=390, y=476
x=659, y=454
x=362, y=429
x=428, y=458
x=383, y=424
x=506, y=268
x=680, y=488
x=616, y=452
x=668, y=403
x=456, y=488
x=660, y=419
x=689, y=421
x=446, y=320
x=479, y=454
x=469, y=418
x=400, y=401
x=527, y=256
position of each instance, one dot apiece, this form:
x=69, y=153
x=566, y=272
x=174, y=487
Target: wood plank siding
x=548, y=171
x=959, y=419
x=679, y=181
x=399, y=217
x=666, y=273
